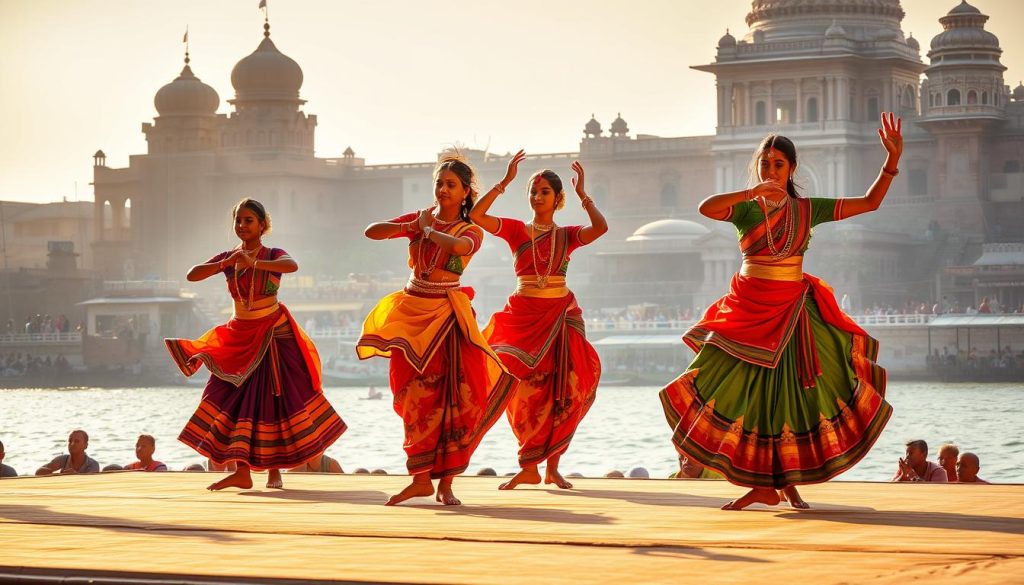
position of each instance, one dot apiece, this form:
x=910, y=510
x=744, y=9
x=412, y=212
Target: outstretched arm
x=598, y=224
x=478, y=214
x=892, y=140
x=382, y=230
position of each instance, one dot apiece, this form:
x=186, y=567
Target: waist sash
x=790, y=269
x=552, y=288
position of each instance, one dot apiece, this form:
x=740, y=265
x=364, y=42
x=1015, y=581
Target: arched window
x=953, y=97
x=931, y=100
x=108, y=216
x=984, y=98
x=873, y=111
x=812, y=109
x=759, y=114
x=972, y=97
x=126, y=215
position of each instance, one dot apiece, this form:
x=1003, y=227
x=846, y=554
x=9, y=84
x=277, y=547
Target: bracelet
x=498, y=187
x=587, y=201
x=892, y=173
x=254, y=263
x=427, y=231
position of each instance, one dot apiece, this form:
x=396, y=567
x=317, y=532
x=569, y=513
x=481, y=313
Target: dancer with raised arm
x=449, y=387
x=784, y=389
x=540, y=335
x=263, y=407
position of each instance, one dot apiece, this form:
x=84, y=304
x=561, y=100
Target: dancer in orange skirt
x=784, y=389
x=539, y=335
x=263, y=407
x=449, y=387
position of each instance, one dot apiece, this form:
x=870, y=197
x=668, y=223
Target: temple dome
x=669, y=229
x=267, y=74
x=186, y=96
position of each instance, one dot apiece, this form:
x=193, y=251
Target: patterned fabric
x=263, y=404
x=267, y=283
x=517, y=235
x=784, y=389
x=449, y=387
x=448, y=262
x=276, y=418
x=542, y=341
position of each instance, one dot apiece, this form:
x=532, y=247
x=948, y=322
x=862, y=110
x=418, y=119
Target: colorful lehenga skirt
x=784, y=389
x=263, y=405
x=449, y=387
x=542, y=342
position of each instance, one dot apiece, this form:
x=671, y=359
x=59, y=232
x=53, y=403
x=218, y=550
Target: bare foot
x=528, y=475
x=552, y=476
x=765, y=496
x=417, y=489
x=793, y=497
x=239, y=479
x=445, y=494
x=274, y=480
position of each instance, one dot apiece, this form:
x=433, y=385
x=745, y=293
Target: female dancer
x=784, y=389
x=263, y=407
x=449, y=387
x=539, y=335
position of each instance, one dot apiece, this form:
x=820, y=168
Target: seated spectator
x=639, y=473
x=145, y=446
x=5, y=470
x=194, y=467
x=948, y=453
x=690, y=469
x=76, y=461
x=487, y=471
x=614, y=473
x=967, y=467
x=319, y=464
x=916, y=467
x=112, y=467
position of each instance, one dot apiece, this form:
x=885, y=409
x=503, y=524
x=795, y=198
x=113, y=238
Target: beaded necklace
x=427, y=270
x=542, y=279
x=788, y=224
x=252, y=283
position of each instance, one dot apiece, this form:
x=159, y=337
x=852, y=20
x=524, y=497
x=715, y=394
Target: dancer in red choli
x=539, y=335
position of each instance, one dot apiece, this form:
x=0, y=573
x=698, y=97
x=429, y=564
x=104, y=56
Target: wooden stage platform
x=166, y=528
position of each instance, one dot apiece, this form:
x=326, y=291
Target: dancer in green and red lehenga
x=784, y=390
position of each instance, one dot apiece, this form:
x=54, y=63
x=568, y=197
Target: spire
x=266, y=18
x=185, y=40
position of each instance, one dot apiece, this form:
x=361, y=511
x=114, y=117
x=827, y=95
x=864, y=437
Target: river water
x=624, y=429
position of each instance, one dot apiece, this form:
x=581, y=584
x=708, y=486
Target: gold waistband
x=553, y=287
x=791, y=269
x=418, y=285
x=242, y=313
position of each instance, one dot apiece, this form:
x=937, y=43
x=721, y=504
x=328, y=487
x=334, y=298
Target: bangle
x=254, y=263
x=498, y=187
x=427, y=231
x=891, y=173
x=587, y=201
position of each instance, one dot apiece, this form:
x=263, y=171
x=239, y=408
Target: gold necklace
x=542, y=279
x=788, y=223
x=426, y=271
x=252, y=283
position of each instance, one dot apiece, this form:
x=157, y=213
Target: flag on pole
x=263, y=4
x=185, y=38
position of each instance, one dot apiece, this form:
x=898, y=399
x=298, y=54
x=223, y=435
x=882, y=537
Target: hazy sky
x=394, y=79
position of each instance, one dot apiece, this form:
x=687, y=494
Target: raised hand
x=768, y=190
x=513, y=168
x=891, y=134
x=577, y=181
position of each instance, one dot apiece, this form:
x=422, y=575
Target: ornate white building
x=818, y=71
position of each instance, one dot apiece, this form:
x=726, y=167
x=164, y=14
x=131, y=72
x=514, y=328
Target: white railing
x=334, y=332
x=607, y=325
x=914, y=319
x=40, y=338
x=141, y=285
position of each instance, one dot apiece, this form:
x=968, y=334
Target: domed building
x=817, y=71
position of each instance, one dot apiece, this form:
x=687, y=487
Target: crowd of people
x=18, y=364
x=951, y=466
x=40, y=323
